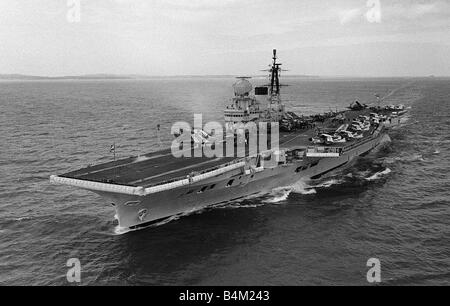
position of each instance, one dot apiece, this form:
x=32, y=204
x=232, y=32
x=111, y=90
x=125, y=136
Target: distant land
x=121, y=77
x=69, y=77
x=104, y=76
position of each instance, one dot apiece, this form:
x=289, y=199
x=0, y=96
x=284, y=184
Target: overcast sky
x=186, y=37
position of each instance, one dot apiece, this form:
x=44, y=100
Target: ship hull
x=139, y=211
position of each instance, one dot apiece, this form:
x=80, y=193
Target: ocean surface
x=393, y=204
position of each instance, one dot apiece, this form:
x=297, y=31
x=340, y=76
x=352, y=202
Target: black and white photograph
x=224, y=148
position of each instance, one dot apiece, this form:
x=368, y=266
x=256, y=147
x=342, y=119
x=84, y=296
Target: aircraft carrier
x=150, y=188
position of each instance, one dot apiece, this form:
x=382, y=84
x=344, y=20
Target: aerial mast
x=274, y=75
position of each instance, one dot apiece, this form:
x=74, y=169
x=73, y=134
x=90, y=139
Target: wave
x=415, y=157
x=378, y=175
x=22, y=218
x=278, y=195
x=281, y=194
x=302, y=187
x=329, y=183
x=405, y=158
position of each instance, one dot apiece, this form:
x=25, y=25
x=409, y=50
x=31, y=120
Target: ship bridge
x=244, y=107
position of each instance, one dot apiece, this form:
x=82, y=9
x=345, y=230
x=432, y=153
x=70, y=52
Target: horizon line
x=99, y=76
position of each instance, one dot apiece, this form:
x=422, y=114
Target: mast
x=275, y=75
x=275, y=107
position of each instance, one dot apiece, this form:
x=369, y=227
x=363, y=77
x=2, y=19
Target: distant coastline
x=122, y=77
x=24, y=77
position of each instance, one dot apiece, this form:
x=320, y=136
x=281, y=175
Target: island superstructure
x=153, y=187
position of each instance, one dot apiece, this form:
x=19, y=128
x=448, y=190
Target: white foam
x=417, y=157
x=379, y=174
x=22, y=218
x=118, y=230
x=363, y=173
x=278, y=195
x=410, y=158
x=301, y=187
x=328, y=183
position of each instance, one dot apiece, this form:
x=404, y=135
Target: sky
x=232, y=37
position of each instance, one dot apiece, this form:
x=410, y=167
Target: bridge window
x=212, y=186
